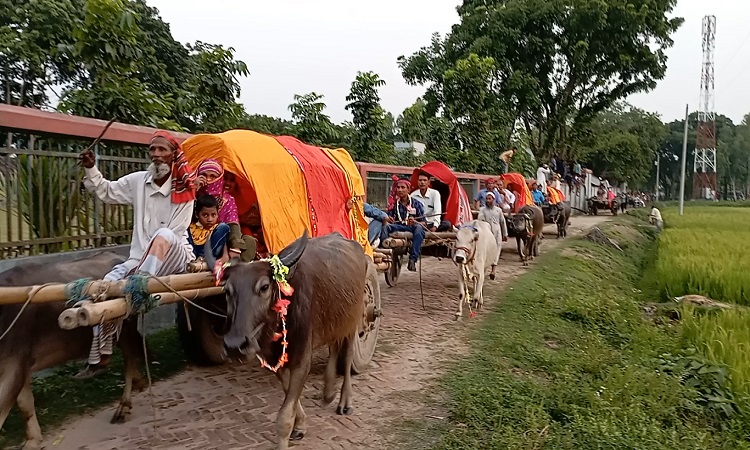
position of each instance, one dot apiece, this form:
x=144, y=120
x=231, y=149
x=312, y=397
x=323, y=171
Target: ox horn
x=292, y=253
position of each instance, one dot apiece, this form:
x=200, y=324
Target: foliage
x=412, y=124
x=267, y=124
x=49, y=197
x=311, y=124
x=567, y=361
x=373, y=126
x=31, y=31
x=557, y=62
x=213, y=88
x=621, y=143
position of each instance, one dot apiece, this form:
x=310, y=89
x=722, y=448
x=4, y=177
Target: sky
x=299, y=46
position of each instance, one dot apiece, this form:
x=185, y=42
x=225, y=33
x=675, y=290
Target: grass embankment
x=60, y=396
x=567, y=360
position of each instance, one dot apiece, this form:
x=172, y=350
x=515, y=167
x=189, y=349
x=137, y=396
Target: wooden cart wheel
x=367, y=337
x=391, y=275
x=202, y=344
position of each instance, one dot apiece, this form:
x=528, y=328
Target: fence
x=45, y=207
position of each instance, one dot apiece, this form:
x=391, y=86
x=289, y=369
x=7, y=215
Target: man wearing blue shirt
x=490, y=185
x=538, y=195
x=407, y=215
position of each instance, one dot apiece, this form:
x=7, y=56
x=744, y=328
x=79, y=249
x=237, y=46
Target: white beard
x=159, y=171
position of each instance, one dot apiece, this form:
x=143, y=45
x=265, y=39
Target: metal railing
x=45, y=208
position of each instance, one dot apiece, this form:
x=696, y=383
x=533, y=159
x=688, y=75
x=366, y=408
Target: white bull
x=476, y=251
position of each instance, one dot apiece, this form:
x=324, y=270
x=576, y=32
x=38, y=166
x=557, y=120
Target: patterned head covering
x=211, y=165
x=183, y=190
x=393, y=197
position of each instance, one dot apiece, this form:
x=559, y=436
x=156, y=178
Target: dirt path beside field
x=234, y=407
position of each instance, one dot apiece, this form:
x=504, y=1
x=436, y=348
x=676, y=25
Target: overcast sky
x=298, y=46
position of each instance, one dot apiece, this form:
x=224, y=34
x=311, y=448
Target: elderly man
x=162, y=199
x=432, y=204
x=407, y=214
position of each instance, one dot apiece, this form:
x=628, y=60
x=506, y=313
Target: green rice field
x=706, y=251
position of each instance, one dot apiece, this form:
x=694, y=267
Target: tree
x=411, y=125
x=371, y=124
x=311, y=124
x=559, y=62
x=214, y=87
x=30, y=33
x=267, y=124
x=621, y=143
x=107, y=58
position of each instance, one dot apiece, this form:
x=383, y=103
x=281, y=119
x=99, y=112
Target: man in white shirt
x=506, y=200
x=542, y=174
x=162, y=199
x=433, y=208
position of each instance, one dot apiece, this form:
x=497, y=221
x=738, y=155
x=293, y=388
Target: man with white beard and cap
x=162, y=199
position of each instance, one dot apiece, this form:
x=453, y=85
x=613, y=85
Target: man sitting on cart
x=406, y=214
x=432, y=203
x=162, y=199
x=538, y=195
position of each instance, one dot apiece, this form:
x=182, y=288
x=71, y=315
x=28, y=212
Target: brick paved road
x=234, y=407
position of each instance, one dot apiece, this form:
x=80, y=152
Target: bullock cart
x=596, y=204
x=290, y=187
x=455, y=207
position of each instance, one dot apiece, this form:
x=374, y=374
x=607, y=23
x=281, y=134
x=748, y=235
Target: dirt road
x=234, y=407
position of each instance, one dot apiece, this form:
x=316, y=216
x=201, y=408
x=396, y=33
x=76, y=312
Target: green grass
x=60, y=396
x=566, y=360
x=705, y=252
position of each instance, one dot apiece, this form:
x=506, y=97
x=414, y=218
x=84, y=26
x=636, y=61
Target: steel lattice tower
x=704, y=165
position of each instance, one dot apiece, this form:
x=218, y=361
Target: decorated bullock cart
x=456, y=210
x=294, y=187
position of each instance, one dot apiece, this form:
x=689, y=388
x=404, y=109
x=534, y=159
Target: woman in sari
x=210, y=181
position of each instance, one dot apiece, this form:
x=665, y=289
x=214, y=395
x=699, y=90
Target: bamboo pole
x=383, y=266
x=94, y=313
x=49, y=293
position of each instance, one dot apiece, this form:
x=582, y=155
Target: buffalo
x=36, y=342
x=528, y=224
x=328, y=276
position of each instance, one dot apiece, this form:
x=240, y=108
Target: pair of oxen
x=279, y=310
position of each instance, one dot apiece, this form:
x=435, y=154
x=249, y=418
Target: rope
x=136, y=291
x=182, y=297
x=32, y=294
x=421, y=292
x=76, y=292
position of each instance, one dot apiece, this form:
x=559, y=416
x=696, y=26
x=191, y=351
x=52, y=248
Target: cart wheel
x=202, y=345
x=367, y=337
x=391, y=275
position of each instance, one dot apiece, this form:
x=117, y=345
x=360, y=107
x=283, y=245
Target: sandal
x=91, y=371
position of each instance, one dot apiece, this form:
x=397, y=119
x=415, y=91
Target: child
x=207, y=232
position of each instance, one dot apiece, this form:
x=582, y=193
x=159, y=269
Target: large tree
x=373, y=126
x=557, y=62
x=311, y=124
x=621, y=143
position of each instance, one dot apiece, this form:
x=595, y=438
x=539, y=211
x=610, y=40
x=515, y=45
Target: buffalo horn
x=292, y=253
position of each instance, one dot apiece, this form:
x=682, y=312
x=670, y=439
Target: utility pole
x=657, y=175
x=682, y=163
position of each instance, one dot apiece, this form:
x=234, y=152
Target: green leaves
x=372, y=125
x=311, y=124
